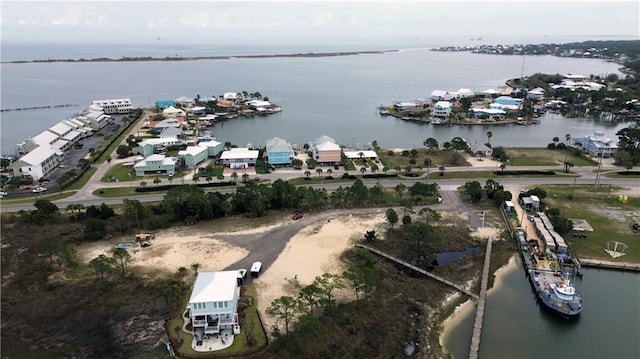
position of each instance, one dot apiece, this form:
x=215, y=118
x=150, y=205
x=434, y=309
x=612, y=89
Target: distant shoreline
x=194, y=58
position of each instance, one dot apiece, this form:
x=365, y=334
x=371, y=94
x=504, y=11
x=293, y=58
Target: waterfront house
x=213, y=147
x=490, y=93
x=508, y=103
x=279, y=152
x=465, y=93
x=481, y=150
x=38, y=163
x=166, y=123
x=495, y=114
x=118, y=105
x=198, y=110
x=232, y=96
x=171, y=132
x=194, y=155
x=326, y=151
x=163, y=104
x=171, y=111
x=596, y=145
x=185, y=102
x=405, y=106
x=213, y=303
x=535, y=94
x=155, y=164
x=442, y=109
x=238, y=158
x=442, y=95
x=152, y=145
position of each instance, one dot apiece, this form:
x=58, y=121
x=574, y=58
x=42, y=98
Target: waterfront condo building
x=120, y=105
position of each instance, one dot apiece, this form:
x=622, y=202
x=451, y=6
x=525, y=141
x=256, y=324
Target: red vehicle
x=297, y=216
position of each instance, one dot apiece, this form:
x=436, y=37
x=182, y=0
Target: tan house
x=326, y=151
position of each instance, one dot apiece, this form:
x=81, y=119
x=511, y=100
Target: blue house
x=596, y=145
x=162, y=104
x=279, y=152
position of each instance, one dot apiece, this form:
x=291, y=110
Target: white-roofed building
x=596, y=145
x=536, y=93
x=94, y=118
x=239, y=157
x=185, y=101
x=442, y=109
x=118, y=105
x=442, y=95
x=61, y=129
x=150, y=145
x=279, y=152
x=213, y=147
x=232, y=96
x=172, y=112
x=465, y=93
x=194, y=155
x=356, y=155
x=61, y=145
x=38, y=163
x=488, y=113
x=155, y=164
x=43, y=139
x=213, y=303
x=326, y=151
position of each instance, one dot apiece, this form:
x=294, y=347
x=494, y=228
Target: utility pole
x=595, y=187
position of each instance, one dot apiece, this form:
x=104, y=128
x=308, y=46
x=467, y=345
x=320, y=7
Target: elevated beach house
x=596, y=145
x=155, y=164
x=117, y=105
x=214, y=303
x=279, y=152
x=442, y=109
x=326, y=151
x=238, y=158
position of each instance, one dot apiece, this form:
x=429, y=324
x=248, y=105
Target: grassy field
x=545, y=157
x=120, y=173
x=438, y=158
x=610, y=219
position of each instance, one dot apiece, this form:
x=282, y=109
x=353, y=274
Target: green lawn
x=531, y=156
x=117, y=192
x=120, y=173
x=438, y=158
x=610, y=219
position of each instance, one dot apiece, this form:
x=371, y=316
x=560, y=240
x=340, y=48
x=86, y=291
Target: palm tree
x=319, y=171
x=441, y=168
x=143, y=184
x=307, y=173
x=157, y=181
x=363, y=170
x=196, y=178
x=329, y=171
x=234, y=175
x=489, y=135
x=245, y=177
x=556, y=140
x=567, y=138
x=220, y=177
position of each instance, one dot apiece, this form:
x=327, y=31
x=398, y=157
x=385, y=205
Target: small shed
x=527, y=203
x=535, y=203
x=509, y=207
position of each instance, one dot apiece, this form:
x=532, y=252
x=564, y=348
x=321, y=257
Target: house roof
x=44, y=138
x=324, y=138
x=277, y=144
x=184, y=99
x=239, y=153
x=38, y=155
x=172, y=110
x=60, y=128
x=171, y=131
x=165, y=160
x=192, y=150
x=170, y=122
x=71, y=135
x=214, y=287
x=440, y=93
x=443, y=104
x=210, y=143
x=159, y=141
x=328, y=146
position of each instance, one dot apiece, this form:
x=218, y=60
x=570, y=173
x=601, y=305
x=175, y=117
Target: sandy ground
x=173, y=249
x=311, y=253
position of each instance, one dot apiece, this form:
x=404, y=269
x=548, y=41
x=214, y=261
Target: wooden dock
x=477, y=325
x=596, y=263
x=420, y=270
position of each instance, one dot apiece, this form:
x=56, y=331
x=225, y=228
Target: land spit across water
x=192, y=58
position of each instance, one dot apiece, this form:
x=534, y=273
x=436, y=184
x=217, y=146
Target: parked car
x=39, y=189
x=297, y=216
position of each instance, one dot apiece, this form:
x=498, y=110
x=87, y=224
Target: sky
x=197, y=21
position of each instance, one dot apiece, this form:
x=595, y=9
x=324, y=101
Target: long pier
x=420, y=270
x=596, y=263
x=477, y=325
x=35, y=107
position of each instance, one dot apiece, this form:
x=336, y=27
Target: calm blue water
x=336, y=96
x=516, y=327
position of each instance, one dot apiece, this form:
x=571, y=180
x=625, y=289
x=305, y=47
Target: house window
x=226, y=304
x=219, y=304
x=215, y=304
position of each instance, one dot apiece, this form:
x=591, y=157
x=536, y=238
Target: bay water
x=334, y=96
